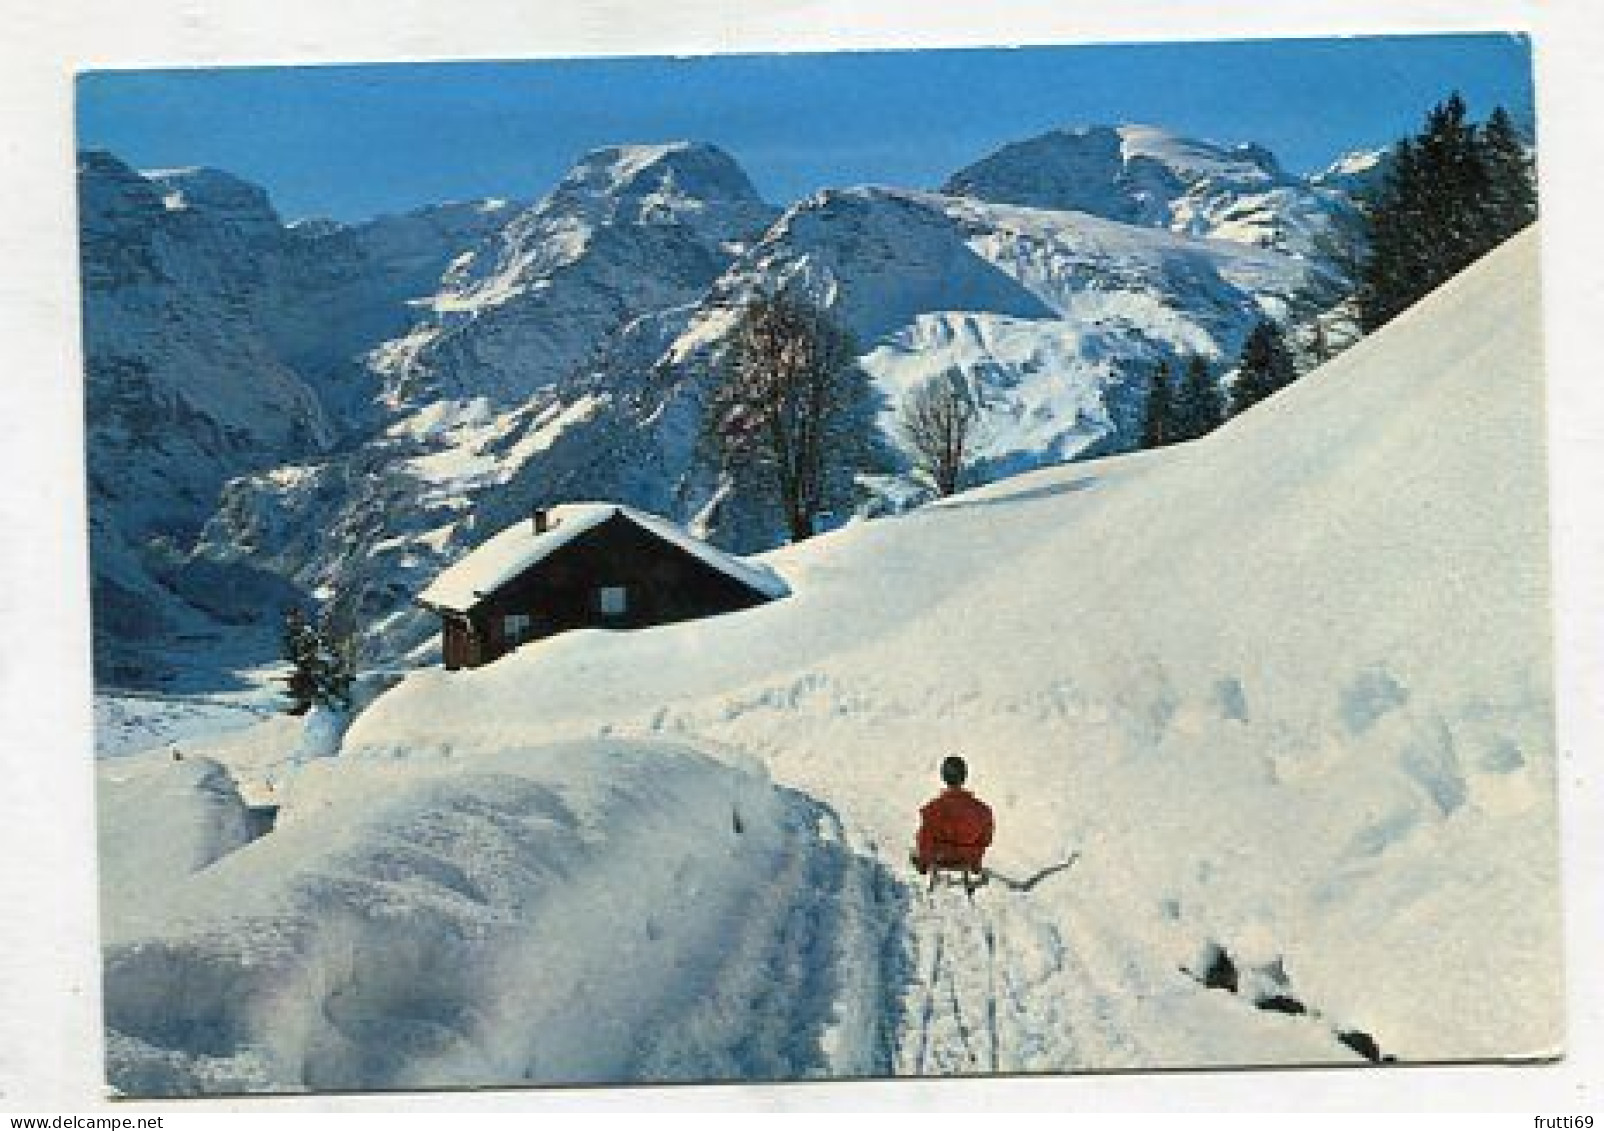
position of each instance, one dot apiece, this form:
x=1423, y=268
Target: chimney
x=542, y=520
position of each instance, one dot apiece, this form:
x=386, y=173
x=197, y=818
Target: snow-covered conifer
x=1512, y=186
x=321, y=659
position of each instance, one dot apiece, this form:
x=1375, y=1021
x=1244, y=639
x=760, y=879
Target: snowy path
x=1049, y=981
x=1000, y=988
x=606, y=912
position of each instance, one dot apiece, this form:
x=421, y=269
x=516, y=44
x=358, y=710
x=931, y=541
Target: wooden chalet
x=585, y=565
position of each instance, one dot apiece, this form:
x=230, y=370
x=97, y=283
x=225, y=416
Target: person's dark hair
x=953, y=770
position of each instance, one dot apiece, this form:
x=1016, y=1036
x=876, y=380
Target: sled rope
x=1031, y=881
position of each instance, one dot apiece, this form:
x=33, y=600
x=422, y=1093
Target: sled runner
x=953, y=875
x=972, y=879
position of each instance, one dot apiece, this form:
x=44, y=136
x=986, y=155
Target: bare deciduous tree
x=939, y=421
x=786, y=401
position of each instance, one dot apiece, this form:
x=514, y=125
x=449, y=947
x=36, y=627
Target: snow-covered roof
x=518, y=547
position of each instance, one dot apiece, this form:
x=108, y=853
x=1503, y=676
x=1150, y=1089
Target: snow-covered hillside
x=1285, y=690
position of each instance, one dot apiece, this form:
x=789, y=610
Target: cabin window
x=613, y=600
x=515, y=627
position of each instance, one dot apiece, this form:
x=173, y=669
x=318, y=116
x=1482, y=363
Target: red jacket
x=954, y=831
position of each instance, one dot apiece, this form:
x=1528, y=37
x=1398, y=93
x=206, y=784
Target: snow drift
x=561, y=914
x=1286, y=690
x=203, y=818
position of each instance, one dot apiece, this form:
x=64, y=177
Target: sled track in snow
x=957, y=1016
x=998, y=987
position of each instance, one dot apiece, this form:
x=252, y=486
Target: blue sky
x=357, y=141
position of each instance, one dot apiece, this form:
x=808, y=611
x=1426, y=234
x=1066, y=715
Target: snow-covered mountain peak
x=220, y=195
x=693, y=168
x=1128, y=173
x=887, y=255
x=692, y=198
x=1355, y=173
x=479, y=356
x=1145, y=175
x=112, y=195
x=679, y=182
x=1356, y=161
x=1192, y=160
x=502, y=364
x=1050, y=318
x=878, y=257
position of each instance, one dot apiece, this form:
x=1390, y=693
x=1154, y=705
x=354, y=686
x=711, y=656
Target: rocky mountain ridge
x=363, y=403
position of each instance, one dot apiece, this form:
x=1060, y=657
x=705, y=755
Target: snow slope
x=1285, y=690
x=203, y=819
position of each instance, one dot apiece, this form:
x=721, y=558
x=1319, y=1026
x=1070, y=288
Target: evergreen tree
x=336, y=658
x=321, y=660
x=1265, y=368
x=1391, y=239
x=298, y=645
x=1158, y=426
x=1199, y=408
x=1453, y=192
x=1512, y=185
x=1454, y=188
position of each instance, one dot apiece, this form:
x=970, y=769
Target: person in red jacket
x=955, y=828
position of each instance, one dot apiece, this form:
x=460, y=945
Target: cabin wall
x=663, y=584
x=458, y=646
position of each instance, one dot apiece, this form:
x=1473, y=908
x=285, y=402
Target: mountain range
x=281, y=411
